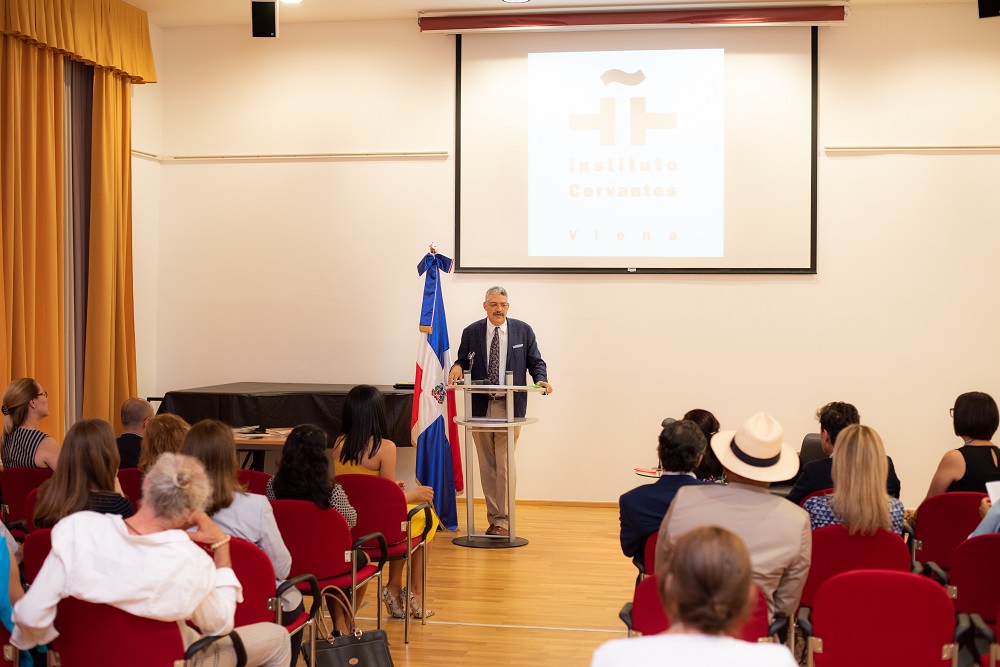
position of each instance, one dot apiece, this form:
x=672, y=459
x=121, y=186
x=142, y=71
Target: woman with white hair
x=157, y=571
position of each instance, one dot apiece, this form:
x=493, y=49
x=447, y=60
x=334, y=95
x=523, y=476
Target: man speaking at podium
x=488, y=346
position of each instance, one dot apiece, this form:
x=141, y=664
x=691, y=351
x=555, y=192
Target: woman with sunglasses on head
x=22, y=444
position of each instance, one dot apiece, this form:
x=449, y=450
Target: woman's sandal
x=392, y=604
x=414, y=604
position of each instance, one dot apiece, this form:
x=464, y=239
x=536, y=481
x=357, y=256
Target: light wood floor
x=551, y=602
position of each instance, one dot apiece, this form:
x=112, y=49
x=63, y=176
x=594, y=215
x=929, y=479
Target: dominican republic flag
x=439, y=459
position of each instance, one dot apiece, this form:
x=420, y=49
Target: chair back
x=943, y=522
x=649, y=618
x=37, y=545
x=812, y=449
x=649, y=554
x=835, y=551
x=99, y=635
x=255, y=481
x=381, y=506
x=888, y=618
x=131, y=483
x=15, y=485
x=317, y=539
x=821, y=492
x=256, y=573
x=29, y=510
x=976, y=577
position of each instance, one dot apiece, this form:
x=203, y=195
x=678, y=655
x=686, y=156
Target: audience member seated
x=244, y=515
x=304, y=473
x=775, y=531
x=859, y=499
x=976, y=462
x=707, y=593
x=817, y=475
x=364, y=449
x=22, y=445
x=148, y=566
x=164, y=433
x=641, y=510
x=136, y=413
x=86, y=478
x=709, y=469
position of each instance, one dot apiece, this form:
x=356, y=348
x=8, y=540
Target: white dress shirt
x=163, y=576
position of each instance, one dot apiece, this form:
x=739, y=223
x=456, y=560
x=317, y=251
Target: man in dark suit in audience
x=135, y=414
x=682, y=444
x=817, y=475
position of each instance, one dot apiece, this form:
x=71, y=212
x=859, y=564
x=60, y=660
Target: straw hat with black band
x=757, y=450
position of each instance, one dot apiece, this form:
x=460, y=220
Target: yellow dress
x=418, y=522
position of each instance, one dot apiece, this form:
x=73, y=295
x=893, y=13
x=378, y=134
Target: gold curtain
x=109, y=375
x=31, y=220
x=107, y=33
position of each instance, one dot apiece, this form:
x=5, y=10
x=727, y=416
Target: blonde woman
x=859, y=500
x=22, y=444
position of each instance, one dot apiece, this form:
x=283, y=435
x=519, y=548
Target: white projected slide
x=626, y=153
x=659, y=150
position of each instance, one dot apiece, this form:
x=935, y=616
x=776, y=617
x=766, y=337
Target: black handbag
x=357, y=649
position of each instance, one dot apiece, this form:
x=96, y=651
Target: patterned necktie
x=493, y=372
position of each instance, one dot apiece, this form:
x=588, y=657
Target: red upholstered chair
x=649, y=555
x=16, y=484
x=880, y=617
x=261, y=602
x=381, y=507
x=255, y=481
x=131, y=483
x=821, y=492
x=648, y=617
x=943, y=522
x=988, y=633
x=320, y=543
x=99, y=635
x=834, y=551
x=37, y=545
x=974, y=579
x=29, y=510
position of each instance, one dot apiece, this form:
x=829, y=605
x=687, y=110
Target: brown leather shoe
x=492, y=530
x=502, y=532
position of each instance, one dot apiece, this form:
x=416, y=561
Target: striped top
x=19, y=447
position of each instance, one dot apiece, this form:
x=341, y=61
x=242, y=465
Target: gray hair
x=496, y=289
x=175, y=486
x=134, y=410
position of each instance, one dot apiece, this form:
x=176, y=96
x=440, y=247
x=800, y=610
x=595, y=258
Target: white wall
x=305, y=271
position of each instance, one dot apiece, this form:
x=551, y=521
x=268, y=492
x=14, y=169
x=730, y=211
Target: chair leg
x=409, y=589
x=423, y=587
x=312, y=641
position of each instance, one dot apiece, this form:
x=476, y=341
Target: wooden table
x=256, y=446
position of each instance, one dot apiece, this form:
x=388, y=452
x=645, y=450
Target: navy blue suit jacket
x=642, y=509
x=817, y=475
x=522, y=357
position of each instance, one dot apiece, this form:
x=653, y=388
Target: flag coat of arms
x=433, y=429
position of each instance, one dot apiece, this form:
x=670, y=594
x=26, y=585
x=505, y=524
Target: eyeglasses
x=44, y=393
x=494, y=304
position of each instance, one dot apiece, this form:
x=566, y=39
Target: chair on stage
x=881, y=617
x=99, y=635
x=255, y=481
x=943, y=522
x=381, y=507
x=15, y=485
x=261, y=602
x=645, y=615
x=130, y=480
x=835, y=550
x=320, y=544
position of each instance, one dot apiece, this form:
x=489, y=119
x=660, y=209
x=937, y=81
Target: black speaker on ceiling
x=265, y=18
x=988, y=8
